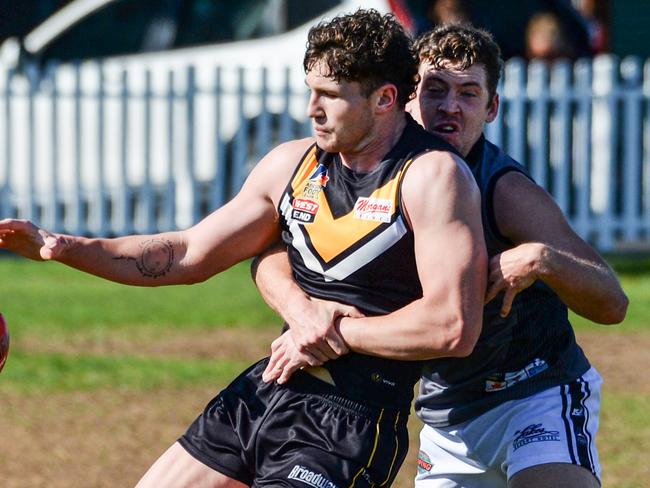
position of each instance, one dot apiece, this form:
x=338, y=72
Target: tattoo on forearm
x=156, y=258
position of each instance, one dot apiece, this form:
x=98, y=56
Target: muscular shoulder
x=522, y=208
x=517, y=193
x=270, y=176
x=288, y=154
x=439, y=170
x=439, y=182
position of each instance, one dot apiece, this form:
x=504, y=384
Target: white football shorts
x=557, y=425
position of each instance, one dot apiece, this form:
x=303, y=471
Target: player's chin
x=449, y=137
x=325, y=141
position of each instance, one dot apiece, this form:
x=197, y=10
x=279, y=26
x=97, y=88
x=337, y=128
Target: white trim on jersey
x=355, y=261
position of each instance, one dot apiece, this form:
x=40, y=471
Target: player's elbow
x=462, y=335
x=466, y=341
x=616, y=310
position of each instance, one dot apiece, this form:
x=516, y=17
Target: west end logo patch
x=377, y=209
x=304, y=210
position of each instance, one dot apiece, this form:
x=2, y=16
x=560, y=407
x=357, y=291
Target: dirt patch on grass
x=236, y=344
x=621, y=359
x=108, y=439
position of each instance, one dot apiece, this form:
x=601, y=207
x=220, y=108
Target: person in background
x=546, y=39
x=593, y=11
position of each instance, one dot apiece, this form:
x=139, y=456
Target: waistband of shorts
x=303, y=382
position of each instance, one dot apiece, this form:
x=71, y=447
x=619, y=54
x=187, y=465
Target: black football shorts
x=297, y=434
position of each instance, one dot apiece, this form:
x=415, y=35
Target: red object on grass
x=4, y=342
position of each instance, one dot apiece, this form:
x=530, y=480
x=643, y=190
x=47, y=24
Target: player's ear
x=493, y=108
x=386, y=97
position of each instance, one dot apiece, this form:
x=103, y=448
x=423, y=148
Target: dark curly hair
x=462, y=45
x=366, y=47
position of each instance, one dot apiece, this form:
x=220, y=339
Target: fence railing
x=88, y=151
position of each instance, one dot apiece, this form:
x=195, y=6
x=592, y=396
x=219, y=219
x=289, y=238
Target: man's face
x=342, y=116
x=454, y=104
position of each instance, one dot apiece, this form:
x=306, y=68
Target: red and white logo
x=378, y=209
x=308, y=206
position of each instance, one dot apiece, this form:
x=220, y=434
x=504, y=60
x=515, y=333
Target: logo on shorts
x=424, y=462
x=377, y=378
x=534, y=433
x=308, y=477
x=378, y=209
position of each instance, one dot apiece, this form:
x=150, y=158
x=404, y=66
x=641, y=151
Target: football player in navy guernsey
x=522, y=409
x=376, y=213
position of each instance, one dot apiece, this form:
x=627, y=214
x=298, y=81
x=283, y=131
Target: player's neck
x=372, y=150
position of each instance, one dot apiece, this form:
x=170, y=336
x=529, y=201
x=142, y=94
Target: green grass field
x=49, y=302
x=76, y=335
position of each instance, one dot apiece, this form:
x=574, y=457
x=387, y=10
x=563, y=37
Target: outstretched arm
x=240, y=229
x=549, y=250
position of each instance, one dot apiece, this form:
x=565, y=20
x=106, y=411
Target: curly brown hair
x=366, y=47
x=462, y=46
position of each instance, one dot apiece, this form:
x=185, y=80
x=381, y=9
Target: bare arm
x=443, y=207
x=311, y=320
x=236, y=231
x=549, y=250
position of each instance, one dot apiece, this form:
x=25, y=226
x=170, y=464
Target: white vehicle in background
x=110, y=106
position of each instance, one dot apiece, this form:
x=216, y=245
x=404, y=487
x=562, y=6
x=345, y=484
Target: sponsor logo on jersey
x=378, y=209
x=315, y=184
x=501, y=381
x=304, y=210
x=424, y=462
x=309, y=477
x=305, y=205
x=534, y=433
x=311, y=190
x=320, y=176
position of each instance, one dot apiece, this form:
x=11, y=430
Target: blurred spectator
x=593, y=11
x=447, y=12
x=545, y=38
x=506, y=20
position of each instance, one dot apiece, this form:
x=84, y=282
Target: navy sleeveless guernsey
x=530, y=350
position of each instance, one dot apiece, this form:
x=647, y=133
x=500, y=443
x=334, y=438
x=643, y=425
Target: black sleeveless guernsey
x=348, y=241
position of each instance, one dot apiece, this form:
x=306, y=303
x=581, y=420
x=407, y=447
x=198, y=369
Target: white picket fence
x=92, y=152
